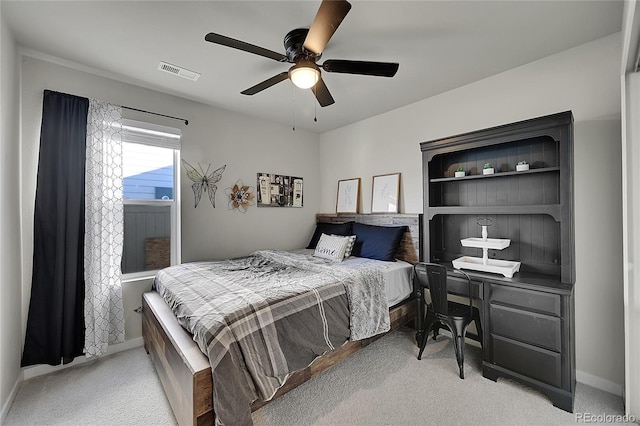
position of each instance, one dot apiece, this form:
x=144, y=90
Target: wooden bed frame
x=185, y=372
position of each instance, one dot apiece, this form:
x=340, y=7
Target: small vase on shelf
x=459, y=172
x=522, y=166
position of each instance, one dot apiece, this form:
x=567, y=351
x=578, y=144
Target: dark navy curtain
x=55, y=326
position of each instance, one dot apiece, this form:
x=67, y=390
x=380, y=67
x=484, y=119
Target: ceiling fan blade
x=247, y=47
x=380, y=69
x=266, y=84
x=328, y=18
x=322, y=94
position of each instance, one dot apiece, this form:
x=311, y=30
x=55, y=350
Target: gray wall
x=10, y=280
x=585, y=80
x=245, y=144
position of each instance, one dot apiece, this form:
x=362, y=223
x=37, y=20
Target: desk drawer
x=538, y=301
x=530, y=327
x=537, y=363
x=460, y=287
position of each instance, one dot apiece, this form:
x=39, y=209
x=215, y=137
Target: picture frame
x=275, y=190
x=348, y=196
x=385, y=196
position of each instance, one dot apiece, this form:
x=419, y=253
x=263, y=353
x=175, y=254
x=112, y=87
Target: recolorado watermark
x=604, y=418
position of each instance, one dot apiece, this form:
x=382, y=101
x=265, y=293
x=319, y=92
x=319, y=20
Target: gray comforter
x=260, y=318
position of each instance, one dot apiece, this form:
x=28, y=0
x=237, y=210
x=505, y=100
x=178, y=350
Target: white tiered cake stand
x=496, y=266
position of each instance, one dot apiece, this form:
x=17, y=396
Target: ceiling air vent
x=179, y=71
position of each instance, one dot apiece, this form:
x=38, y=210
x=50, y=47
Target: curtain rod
x=186, y=122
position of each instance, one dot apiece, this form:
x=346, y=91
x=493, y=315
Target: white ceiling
x=440, y=45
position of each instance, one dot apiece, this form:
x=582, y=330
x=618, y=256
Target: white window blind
x=150, y=134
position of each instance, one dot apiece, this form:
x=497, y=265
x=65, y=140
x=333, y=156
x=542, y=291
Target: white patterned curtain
x=104, y=317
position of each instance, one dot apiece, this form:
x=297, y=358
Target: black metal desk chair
x=454, y=316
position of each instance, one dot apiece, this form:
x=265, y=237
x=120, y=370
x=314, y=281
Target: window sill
x=138, y=276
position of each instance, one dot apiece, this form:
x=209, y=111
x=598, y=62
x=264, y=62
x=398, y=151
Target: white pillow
x=351, y=241
x=331, y=247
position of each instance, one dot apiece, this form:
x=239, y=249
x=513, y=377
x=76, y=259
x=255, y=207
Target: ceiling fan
x=304, y=48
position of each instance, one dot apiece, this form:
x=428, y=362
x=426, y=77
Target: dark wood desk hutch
x=528, y=320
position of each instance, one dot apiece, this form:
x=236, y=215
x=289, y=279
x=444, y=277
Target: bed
x=185, y=371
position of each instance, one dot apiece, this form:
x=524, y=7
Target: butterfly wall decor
x=204, y=181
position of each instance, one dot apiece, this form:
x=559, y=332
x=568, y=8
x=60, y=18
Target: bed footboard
x=183, y=369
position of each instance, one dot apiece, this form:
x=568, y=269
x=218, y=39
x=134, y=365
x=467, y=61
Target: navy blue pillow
x=377, y=242
x=329, y=228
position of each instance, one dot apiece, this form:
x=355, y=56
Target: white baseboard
x=39, y=370
x=10, y=399
x=599, y=383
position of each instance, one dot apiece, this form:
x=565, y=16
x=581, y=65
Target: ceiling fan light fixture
x=304, y=75
x=303, y=48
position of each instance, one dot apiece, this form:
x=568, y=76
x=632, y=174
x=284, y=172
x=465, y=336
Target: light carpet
x=383, y=384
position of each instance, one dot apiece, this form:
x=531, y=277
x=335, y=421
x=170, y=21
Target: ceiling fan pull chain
x=315, y=106
x=293, y=107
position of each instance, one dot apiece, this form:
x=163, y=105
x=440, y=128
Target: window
x=151, y=156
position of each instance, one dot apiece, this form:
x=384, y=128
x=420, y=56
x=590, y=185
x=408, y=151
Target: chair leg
x=458, y=342
x=429, y=322
x=436, y=330
x=423, y=344
x=459, y=346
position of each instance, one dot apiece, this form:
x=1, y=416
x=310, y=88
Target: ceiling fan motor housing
x=293, y=45
x=304, y=47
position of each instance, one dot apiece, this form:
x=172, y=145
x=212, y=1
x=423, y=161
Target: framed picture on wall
x=385, y=195
x=348, y=197
x=279, y=190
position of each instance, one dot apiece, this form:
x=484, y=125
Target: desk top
x=531, y=280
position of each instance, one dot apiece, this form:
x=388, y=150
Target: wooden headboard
x=409, y=250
